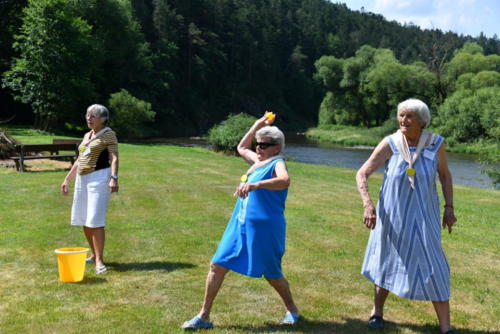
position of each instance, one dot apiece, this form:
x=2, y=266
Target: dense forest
x=176, y=67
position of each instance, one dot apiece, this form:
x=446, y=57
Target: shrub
x=226, y=135
x=467, y=115
x=129, y=115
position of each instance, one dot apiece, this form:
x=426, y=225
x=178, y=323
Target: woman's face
x=266, y=149
x=409, y=122
x=93, y=121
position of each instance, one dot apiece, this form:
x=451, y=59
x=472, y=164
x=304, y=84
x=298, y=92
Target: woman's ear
x=278, y=149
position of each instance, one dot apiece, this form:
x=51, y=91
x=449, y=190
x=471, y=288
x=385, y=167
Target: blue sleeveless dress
x=254, y=241
x=404, y=253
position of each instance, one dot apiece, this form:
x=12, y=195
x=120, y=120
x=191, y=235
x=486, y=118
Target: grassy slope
x=352, y=136
x=165, y=224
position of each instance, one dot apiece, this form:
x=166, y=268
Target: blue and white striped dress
x=404, y=253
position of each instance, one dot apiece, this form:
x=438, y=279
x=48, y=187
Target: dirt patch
x=38, y=165
x=7, y=164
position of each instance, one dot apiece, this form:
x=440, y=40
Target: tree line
x=464, y=94
x=176, y=67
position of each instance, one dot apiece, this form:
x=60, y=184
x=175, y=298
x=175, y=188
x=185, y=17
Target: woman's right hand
x=370, y=217
x=263, y=121
x=65, y=187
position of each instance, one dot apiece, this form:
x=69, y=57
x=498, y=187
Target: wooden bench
x=24, y=151
x=57, y=141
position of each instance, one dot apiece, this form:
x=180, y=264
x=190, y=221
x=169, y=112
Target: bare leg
x=379, y=301
x=88, y=234
x=443, y=314
x=214, y=281
x=98, y=238
x=283, y=288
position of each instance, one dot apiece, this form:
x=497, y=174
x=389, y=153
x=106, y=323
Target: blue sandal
x=376, y=322
x=290, y=318
x=197, y=323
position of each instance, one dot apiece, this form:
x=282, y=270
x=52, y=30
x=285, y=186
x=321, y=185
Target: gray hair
x=272, y=132
x=101, y=112
x=419, y=108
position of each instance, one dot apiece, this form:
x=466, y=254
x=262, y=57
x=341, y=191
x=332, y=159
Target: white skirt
x=90, y=201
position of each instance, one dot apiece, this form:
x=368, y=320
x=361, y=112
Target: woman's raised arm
x=245, y=145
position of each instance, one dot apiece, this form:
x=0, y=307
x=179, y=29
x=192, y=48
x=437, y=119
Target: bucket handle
x=58, y=251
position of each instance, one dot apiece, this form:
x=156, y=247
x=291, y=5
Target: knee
x=276, y=281
x=216, y=269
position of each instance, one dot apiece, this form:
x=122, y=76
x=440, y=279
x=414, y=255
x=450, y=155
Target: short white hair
x=272, y=132
x=419, y=108
x=101, y=112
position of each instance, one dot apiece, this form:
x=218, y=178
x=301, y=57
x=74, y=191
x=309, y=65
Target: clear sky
x=468, y=17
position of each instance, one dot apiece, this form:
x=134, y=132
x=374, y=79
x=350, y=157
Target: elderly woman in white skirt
x=96, y=171
x=404, y=253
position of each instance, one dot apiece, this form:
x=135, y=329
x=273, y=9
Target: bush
x=129, y=115
x=389, y=126
x=226, y=135
x=467, y=115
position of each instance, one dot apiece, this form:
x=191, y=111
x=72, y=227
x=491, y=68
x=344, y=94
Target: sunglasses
x=264, y=145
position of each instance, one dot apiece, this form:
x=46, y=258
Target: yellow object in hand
x=270, y=116
x=244, y=178
x=82, y=148
x=410, y=172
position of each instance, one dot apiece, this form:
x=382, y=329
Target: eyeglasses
x=264, y=145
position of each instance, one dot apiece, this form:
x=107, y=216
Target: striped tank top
x=95, y=155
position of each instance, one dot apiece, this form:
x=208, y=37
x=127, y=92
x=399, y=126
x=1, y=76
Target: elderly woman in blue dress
x=404, y=253
x=254, y=241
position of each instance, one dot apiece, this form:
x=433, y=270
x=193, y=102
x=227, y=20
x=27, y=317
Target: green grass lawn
x=165, y=224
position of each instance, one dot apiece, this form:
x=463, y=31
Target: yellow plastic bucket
x=71, y=263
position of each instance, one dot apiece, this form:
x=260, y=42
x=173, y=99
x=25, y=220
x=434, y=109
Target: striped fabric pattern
x=404, y=253
x=87, y=163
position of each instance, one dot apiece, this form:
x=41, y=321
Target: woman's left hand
x=449, y=218
x=113, y=185
x=243, y=189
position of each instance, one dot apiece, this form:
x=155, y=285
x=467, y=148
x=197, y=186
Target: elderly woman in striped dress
x=96, y=172
x=404, y=253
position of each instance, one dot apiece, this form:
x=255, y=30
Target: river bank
x=358, y=136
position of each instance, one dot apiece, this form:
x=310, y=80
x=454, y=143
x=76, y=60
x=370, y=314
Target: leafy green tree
x=129, y=115
x=52, y=73
x=120, y=53
x=469, y=115
x=11, y=12
x=469, y=59
x=364, y=88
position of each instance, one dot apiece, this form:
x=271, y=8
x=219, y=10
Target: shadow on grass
x=92, y=280
x=348, y=326
x=147, y=266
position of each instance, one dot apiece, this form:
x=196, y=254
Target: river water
x=464, y=168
